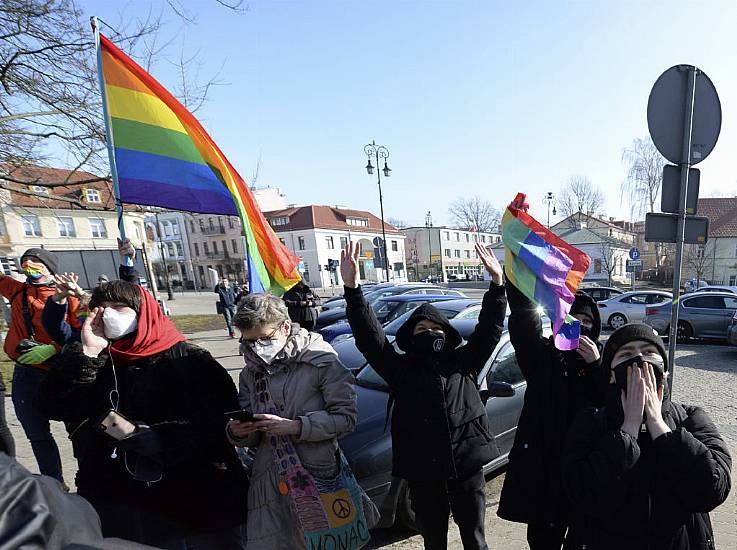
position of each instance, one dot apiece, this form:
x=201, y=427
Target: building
x=167, y=237
x=218, y=243
x=715, y=261
x=79, y=216
x=445, y=252
x=317, y=233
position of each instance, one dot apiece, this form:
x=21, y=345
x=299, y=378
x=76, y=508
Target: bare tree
x=398, y=223
x=608, y=258
x=474, y=213
x=579, y=196
x=699, y=258
x=644, y=178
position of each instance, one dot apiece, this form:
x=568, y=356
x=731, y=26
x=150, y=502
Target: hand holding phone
x=241, y=415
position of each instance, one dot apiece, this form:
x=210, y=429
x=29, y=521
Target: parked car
x=692, y=285
x=386, y=310
x=452, y=308
x=369, y=447
x=700, y=315
x=601, y=293
x=339, y=301
x=719, y=288
x=732, y=334
x=630, y=306
x=338, y=313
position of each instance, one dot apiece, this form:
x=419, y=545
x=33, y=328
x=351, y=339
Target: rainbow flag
x=544, y=268
x=164, y=157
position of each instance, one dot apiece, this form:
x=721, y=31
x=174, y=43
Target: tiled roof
x=722, y=214
x=317, y=216
x=584, y=235
x=78, y=182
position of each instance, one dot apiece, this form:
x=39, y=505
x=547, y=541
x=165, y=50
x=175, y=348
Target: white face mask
x=117, y=323
x=269, y=350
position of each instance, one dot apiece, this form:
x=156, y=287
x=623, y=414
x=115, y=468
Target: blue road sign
x=634, y=253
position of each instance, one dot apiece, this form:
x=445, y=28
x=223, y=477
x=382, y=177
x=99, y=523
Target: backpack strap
x=27, y=312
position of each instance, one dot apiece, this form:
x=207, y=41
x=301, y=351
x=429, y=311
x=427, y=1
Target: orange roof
x=317, y=216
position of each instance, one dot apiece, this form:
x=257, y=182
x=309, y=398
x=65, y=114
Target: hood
x=301, y=347
x=583, y=303
x=427, y=312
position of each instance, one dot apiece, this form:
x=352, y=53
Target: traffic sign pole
x=680, y=232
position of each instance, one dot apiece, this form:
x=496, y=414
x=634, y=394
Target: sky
x=484, y=98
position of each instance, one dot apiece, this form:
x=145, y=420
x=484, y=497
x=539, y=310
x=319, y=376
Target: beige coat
x=307, y=381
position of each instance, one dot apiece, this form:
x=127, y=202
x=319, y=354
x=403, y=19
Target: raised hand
x=126, y=249
x=490, y=262
x=633, y=402
x=93, y=333
x=67, y=287
x=349, y=264
x=587, y=350
x=656, y=426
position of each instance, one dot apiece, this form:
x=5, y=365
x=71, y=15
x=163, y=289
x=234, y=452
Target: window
x=505, y=367
x=230, y=222
x=225, y=246
x=705, y=302
x=468, y=238
x=66, y=226
x=202, y=224
x=97, y=228
x=446, y=252
x=343, y=242
x=92, y=195
x=170, y=250
x=597, y=265
x=40, y=190
x=180, y=250
x=214, y=247
x=201, y=271
x=31, y=226
x=206, y=248
x=139, y=231
x=483, y=238
x=211, y=224
x=329, y=243
x=733, y=280
x=196, y=249
x=235, y=244
x=635, y=299
x=361, y=222
x=175, y=227
x=281, y=220
x=457, y=253
x=191, y=225
x=447, y=235
x=656, y=299
x=458, y=236
x=468, y=253
x=395, y=246
x=167, y=229
x=301, y=243
x=735, y=251
x=730, y=303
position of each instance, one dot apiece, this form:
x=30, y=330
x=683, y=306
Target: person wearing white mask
x=302, y=399
x=156, y=466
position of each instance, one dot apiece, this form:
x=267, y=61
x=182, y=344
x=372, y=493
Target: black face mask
x=587, y=332
x=620, y=369
x=429, y=342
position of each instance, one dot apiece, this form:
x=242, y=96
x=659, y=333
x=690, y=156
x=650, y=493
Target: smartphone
x=116, y=425
x=241, y=415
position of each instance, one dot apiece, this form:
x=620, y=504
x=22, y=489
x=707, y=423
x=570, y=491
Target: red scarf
x=155, y=333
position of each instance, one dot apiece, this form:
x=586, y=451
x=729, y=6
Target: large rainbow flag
x=544, y=268
x=164, y=157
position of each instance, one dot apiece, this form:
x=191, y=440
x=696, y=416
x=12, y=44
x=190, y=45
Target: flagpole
x=108, y=131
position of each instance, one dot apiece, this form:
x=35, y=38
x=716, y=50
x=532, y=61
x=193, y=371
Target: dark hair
x=121, y=292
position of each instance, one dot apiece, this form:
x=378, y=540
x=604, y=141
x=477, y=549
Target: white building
x=716, y=261
x=166, y=232
x=452, y=250
x=317, y=234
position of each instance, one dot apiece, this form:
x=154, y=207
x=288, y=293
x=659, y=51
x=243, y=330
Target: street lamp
x=379, y=152
x=428, y=225
x=550, y=200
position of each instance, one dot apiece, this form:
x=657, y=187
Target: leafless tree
x=699, y=258
x=609, y=258
x=579, y=196
x=644, y=178
x=474, y=212
x=398, y=223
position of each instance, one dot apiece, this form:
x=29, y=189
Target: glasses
x=264, y=340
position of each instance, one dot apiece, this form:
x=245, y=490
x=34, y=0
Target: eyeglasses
x=264, y=340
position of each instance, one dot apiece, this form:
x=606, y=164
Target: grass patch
x=6, y=370
x=198, y=323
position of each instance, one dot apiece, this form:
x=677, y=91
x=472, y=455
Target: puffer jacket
x=439, y=425
x=558, y=385
x=644, y=494
x=308, y=382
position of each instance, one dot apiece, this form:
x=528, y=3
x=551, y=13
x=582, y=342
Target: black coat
x=301, y=302
x=558, y=385
x=181, y=394
x=642, y=494
x=439, y=425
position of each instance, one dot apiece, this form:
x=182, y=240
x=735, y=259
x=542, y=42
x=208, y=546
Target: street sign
x=671, y=189
x=663, y=228
x=667, y=117
x=633, y=265
x=378, y=242
x=634, y=253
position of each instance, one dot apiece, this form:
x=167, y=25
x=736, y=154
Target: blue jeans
x=26, y=381
x=229, y=313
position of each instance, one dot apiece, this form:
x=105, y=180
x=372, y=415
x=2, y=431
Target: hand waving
x=93, y=333
x=67, y=287
x=490, y=262
x=349, y=264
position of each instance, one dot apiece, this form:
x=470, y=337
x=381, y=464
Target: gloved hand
x=143, y=441
x=37, y=355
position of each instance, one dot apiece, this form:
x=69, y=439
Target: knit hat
x=49, y=259
x=630, y=333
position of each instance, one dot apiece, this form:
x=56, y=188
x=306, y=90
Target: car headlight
x=341, y=338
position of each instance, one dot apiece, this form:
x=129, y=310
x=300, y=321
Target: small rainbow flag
x=544, y=268
x=164, y=157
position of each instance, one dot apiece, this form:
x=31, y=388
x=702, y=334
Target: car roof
x=658, y=292
x=459, y=304
x=413, y=297
x=708, y=293
x=597, y=287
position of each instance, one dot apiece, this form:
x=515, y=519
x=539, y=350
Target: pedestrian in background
x=643, y=471
x=227, y=302
x=302, y=305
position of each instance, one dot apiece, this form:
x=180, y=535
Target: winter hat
x=49, y=259
x=629, y=333
x=427, y=312
x=585, y=304
x=103, y=279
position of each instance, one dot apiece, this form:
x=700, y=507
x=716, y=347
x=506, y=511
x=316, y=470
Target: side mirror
x=501, y=389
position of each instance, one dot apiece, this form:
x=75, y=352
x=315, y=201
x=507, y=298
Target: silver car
x=630, y=306
x=700, y=315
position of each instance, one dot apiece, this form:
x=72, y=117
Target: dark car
x=600, y=293
x=700, y=315
x=369, y=447
x=386, y=310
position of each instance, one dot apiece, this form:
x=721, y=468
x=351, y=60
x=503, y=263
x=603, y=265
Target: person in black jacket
x=227, y=300
x=559, y=383
x=643, y=472
x=301, y=303
x=440, y=432
x=173, y=480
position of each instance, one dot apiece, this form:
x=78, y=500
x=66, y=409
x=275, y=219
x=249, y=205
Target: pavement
x=705, y=375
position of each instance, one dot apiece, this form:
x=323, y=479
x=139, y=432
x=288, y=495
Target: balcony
x=216, y=230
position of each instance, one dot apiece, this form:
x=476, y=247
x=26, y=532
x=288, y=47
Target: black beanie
x=583, y=304
x=49, y=259
x=630, y=333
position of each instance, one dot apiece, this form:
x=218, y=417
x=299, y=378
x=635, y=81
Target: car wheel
x=405, y=513
x=617, y=320
x=685, y=332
